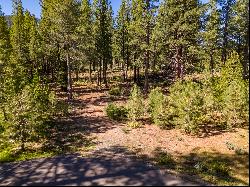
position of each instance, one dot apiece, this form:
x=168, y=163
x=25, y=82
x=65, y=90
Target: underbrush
x=116, y=112
x=115, y=91
x=215, y=168
x=196, y=104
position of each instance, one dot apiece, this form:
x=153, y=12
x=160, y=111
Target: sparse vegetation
x=116, y=113
x=134, y=124
x=135, y=104
x=115, y=91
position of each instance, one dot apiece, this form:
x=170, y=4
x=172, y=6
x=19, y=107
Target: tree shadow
x=213, y=167
x=112, y=166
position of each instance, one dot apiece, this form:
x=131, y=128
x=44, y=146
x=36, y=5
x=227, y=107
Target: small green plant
x=213, y=167
x=156, y=106
x=230, y=146
x=134, y=124
x=164, y=158
x=185, y=106
x=240, y=151
x=115, y=91
x=135, y=104
x=125, y=130
x=115, y=112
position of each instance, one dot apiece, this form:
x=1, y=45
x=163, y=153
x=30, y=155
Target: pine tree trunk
x=105, y=73
x=70, y=96
x=146, y=73
x=246, y=56
x=211, y=63
x=178, y=61
x=123, y=72
x=138, y=74
x=127, y=59
x=135, y=74
x=77, y=74
x=147, y=53
x=90, y=72
x=100, y=72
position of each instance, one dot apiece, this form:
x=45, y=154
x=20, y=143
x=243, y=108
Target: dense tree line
x=145, y=35
x=186, y=36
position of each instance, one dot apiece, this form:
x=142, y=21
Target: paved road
x=103, y=168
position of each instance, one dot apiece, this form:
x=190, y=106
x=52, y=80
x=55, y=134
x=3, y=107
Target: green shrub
x=134, y=124
x=213, y=167
x=135, y=104
x=240, y=151
x=185, y=107
x=156, y=106
x=115, y=91
x=214, y=101
x=115, y=112
x=6, y=155
x=164, y=158
x=235, y=93
x=27, y=111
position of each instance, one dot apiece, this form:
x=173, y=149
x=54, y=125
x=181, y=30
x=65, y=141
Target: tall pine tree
x=178, y=26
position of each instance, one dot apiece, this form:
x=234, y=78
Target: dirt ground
x=88, y=110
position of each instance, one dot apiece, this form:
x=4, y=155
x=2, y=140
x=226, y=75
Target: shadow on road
x=113, y=166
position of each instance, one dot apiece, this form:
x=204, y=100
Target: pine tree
x=178, y=25
x=62, y=19
x=5, y=50
x=239, y=32
x=122, y=37
x=19, y=65
x=86, y=35
x=34, y=47
x=143, y=15
x=103, y=36
x=226, y=15
x=4, y=40
x=211, y=34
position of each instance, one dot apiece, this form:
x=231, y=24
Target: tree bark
x=105, y=73
x=70, y=96
x=90, y=72
x=246, y=56
x=135, y=78
x=178, y=62
x=147, y=53
x=211, y=63
x=138, y=74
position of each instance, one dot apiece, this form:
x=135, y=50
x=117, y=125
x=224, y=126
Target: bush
x=115, y=91
x=164, y=158
x=185, y=107
x=135, y=104
x=213, y=167
x=115, y=112
x=235, y=95
x=27, y=111
x=215, y=101
x=134, y=124
x=156, y=106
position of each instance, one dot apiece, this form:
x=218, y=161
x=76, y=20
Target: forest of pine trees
x=147, y=37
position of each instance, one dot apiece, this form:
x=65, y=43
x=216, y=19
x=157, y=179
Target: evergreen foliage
x=156, y=105
x=135, y=104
